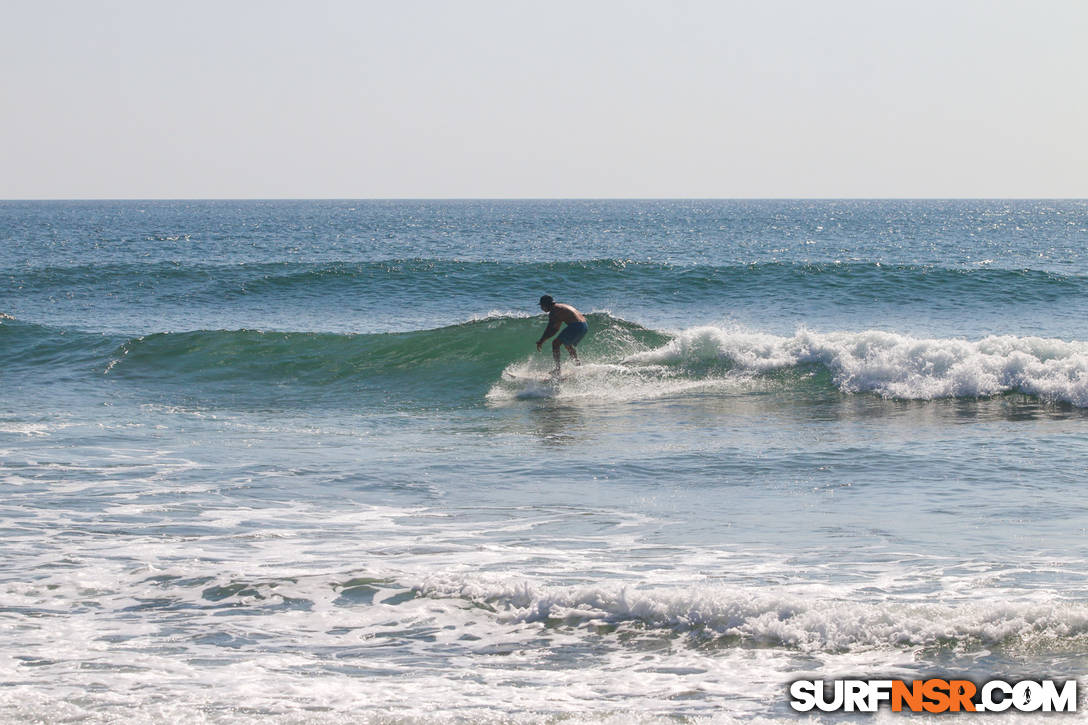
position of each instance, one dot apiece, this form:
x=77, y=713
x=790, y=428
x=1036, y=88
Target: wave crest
x=894, y=365
x=732, y=617
x=493, y=358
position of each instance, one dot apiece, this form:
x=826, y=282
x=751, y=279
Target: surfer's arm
x=551, y=329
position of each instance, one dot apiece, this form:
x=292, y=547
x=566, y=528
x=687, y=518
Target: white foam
x=606, y=382
x=894, y=365
x=528, y=613
x=31, y=430
x=133, y=625
x=778, y=617
x=497, y=314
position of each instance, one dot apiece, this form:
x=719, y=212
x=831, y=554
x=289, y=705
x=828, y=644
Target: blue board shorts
x=573, y=333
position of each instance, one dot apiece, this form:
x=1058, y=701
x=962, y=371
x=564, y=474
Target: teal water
x=300, y=460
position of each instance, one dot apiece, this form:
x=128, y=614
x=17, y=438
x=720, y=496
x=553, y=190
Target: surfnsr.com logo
x=934, y=695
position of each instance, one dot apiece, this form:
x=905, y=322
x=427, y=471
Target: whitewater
x=300, y=461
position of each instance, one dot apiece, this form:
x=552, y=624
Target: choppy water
x=299, y=461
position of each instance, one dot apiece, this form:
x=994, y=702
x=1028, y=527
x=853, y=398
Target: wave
x=449, y=365
x=39, y=349
x=717, y=361
x=894, y=365
x=731, y=617
x=805, y=618
x=847, y=282
x=465, y=354
x=493, y=359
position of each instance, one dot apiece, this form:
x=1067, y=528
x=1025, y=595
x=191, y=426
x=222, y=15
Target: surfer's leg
x=570, y=337
x=555, y=353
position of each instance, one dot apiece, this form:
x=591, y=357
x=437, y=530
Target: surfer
x=576, y=329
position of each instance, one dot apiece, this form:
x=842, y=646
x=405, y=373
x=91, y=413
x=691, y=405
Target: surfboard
x=533, y=377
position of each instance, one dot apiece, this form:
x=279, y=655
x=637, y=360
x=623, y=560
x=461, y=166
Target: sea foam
x=770, y=617
x=894, y=365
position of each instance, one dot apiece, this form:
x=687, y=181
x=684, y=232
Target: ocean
x=300, y=461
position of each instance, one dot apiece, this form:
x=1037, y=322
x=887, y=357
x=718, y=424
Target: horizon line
x=543, y=198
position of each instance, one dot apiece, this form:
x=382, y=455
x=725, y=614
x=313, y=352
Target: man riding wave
x=576, y=329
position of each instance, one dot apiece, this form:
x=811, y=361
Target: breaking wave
x=493, y=359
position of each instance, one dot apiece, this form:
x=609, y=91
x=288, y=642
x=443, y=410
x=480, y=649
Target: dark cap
x=546, y=301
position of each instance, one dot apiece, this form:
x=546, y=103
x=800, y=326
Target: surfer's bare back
x=576, y=329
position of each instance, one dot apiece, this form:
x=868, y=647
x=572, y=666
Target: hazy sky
x=402, y=98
